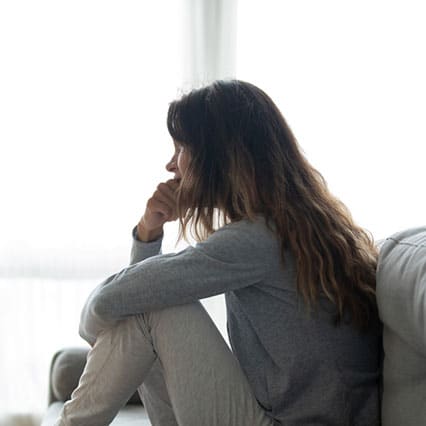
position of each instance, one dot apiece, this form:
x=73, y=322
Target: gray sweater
x=303, y=369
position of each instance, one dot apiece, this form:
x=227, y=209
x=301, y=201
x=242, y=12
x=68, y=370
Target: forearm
x=142, y=249
x=148, y=235
x=234, y=257
x=91, y=323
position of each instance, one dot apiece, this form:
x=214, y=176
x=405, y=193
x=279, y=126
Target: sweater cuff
x=143, y=250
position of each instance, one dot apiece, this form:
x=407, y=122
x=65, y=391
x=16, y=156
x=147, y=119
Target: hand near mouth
x=160, y=208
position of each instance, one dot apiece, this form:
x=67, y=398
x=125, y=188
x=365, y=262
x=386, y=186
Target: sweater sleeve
x=91, y=324
x=142, y=250
x=226, y=261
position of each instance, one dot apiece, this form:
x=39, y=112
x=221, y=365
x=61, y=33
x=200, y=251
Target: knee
x=173, y=316
x=127, y=329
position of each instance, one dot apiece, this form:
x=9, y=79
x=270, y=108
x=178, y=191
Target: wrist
x=148, y=235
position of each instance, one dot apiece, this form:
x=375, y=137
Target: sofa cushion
x=401, y=286
x=401, y=298
x=66, y=369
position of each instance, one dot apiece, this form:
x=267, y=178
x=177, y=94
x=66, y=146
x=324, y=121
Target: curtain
x=84, y=91
x=210, y=33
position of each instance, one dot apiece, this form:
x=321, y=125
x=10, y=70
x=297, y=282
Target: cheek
x=182, y=162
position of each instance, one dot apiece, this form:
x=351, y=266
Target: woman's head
x=244, y=161
x=240, y=146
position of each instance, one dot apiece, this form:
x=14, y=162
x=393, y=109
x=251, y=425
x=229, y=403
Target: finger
x=173, y=183
x=157, y=206
x=166, y=199
x=167, y=192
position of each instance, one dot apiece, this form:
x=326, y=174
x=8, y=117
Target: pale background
x=84, y=90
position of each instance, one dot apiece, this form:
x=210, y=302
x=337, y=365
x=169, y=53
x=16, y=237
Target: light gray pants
x=181, y=365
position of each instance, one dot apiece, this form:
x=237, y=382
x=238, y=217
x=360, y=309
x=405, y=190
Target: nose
x=171, y=165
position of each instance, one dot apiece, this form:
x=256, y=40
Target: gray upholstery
x=66, y=368
x=401, y=298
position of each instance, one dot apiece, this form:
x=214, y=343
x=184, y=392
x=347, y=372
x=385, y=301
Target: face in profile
x=179, y=162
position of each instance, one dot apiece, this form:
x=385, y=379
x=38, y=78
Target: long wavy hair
x=245, y=161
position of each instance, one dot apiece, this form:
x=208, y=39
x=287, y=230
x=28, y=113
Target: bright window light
x=349, y=78
x=84, y=91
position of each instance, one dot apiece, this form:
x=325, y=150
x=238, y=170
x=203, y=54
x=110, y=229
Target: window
x=349, y=78
x=84, y=91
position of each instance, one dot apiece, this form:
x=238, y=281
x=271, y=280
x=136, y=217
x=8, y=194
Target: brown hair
x=246, y=161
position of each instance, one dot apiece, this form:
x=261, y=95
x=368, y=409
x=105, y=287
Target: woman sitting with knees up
x=297, y=273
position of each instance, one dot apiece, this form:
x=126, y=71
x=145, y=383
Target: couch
x=65, y=370
x=401, y=299
x=401, y=296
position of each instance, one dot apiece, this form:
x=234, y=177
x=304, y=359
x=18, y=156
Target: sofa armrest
x=65, y=370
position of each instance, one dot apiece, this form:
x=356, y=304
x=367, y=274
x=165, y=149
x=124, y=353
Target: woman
x=297, y=273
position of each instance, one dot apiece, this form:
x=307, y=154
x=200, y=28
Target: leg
x=204, y=379
x=155, y=397
x=116, y=365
